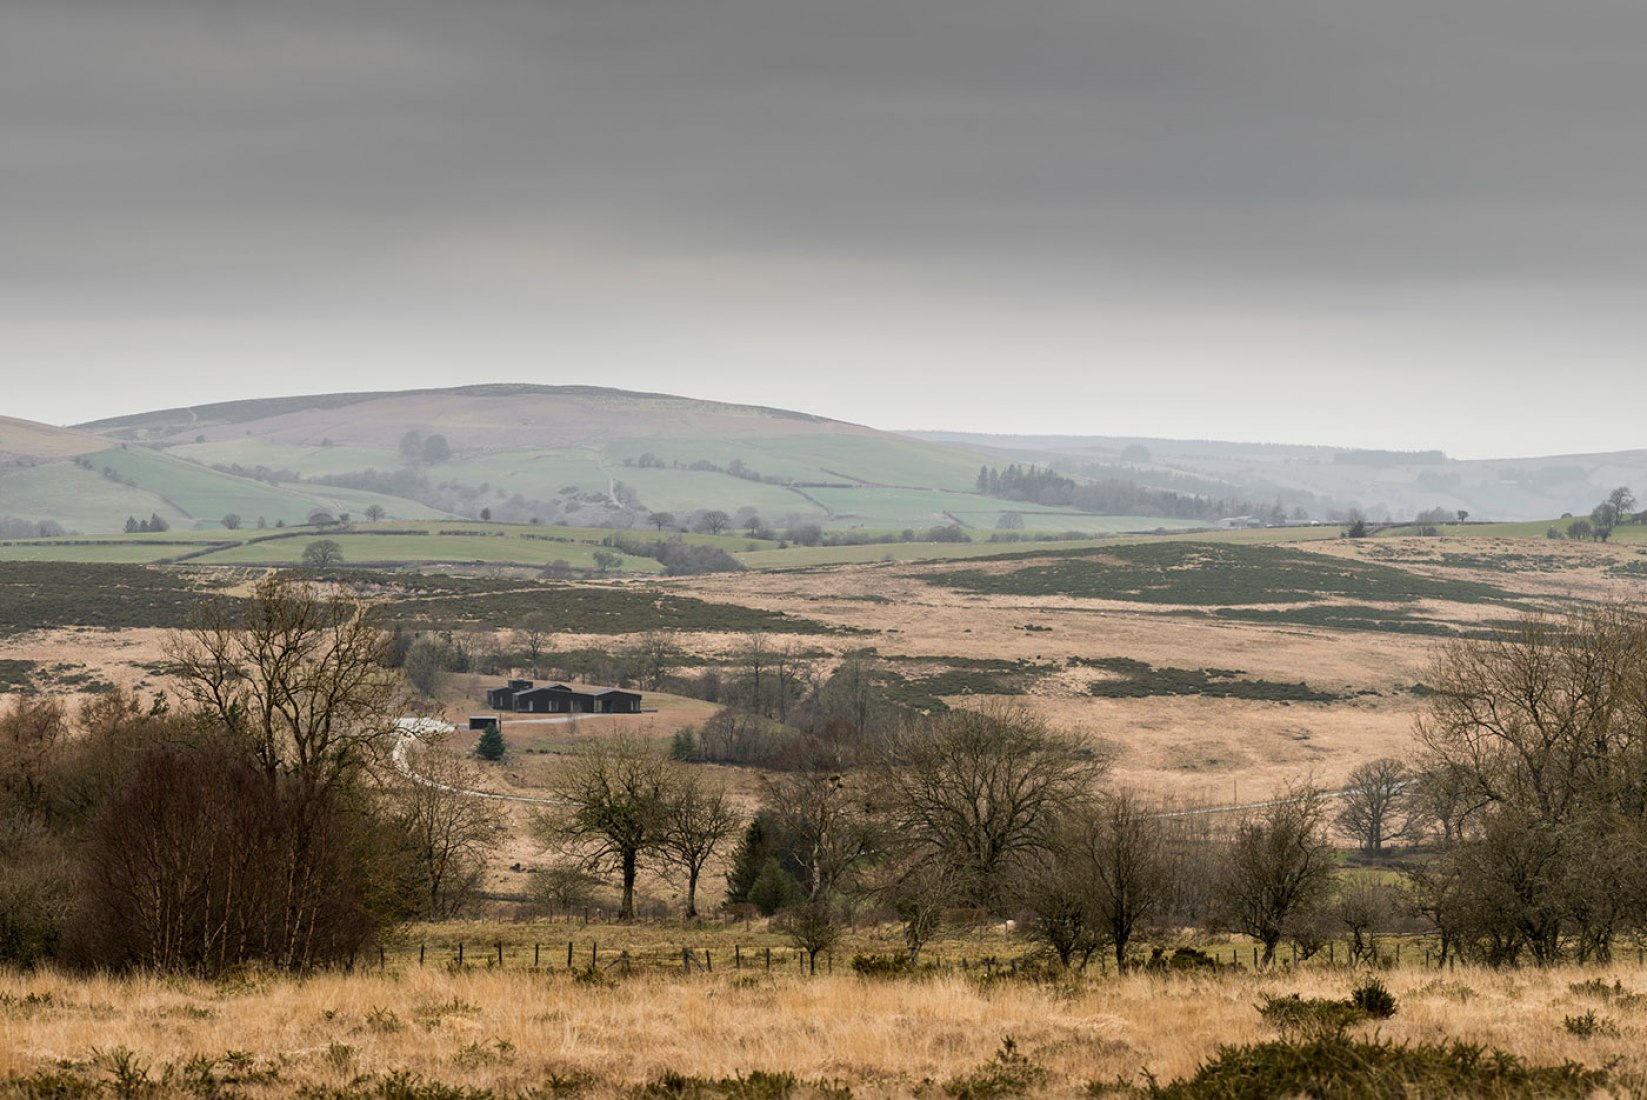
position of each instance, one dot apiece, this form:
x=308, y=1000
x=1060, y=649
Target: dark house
x=558, y=699
x=617, y=702
x=521, y=697
x=480, y=723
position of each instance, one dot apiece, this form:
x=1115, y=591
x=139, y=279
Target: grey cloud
x=296, y=157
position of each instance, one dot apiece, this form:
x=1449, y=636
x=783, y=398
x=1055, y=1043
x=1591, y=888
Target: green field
x=79, y=499
x=387, y=543
x=106, y=550
x=251, y=452
x=398, y=549
x=841, y=458
x=208, y=495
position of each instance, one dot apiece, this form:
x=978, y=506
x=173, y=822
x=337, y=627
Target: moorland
x=1219, y=683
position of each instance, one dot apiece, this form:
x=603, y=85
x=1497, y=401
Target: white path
x=397, y=757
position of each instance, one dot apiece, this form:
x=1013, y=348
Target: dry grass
x=511, y=1030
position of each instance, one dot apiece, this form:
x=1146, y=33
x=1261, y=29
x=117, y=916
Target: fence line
x=543, y=956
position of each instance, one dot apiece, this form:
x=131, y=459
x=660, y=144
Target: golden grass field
x=513, y=1030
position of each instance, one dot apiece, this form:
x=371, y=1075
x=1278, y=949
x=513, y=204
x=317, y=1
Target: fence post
x=420, y=948
x=568, y=954
x=535, y=948
x=737, y=957
x=769, y=958
x=1255, y=956
x=381, y=964
x=594, y=954
x=709, y=961
x=460, y=952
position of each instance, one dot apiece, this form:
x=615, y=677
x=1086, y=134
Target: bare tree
x=1622, y=500
x=1364, y=909
x=1540, y=734
x=698, y=818
x=1129, y=847
x=1278, y=865
x=824, y=819
x=452, y=832
x=1374, y=806
x=300, y=677
x=978, y=789
x=813, y=926
x=652, y=656
x=534, y=627
x=616, y=810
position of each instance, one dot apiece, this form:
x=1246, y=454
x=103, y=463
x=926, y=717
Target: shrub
x=1374, y=1000
x=1181, y=959
x=1009, y=1073
x=1349, y=1069
x=890, y=966
x=1589, y=1025
x=1310, y=1018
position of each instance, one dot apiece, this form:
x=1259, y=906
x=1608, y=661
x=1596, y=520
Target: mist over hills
x=1324, y=481
x=595, y=457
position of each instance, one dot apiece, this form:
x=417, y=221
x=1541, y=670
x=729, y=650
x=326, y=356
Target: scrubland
x=511, y=1031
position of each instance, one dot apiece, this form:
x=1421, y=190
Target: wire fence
x=596, y=956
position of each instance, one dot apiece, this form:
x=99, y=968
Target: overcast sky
x=1408, y=223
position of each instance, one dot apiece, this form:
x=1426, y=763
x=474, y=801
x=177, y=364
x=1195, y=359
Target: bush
x=1309, y=1017
x=1349, y=1069
x=1374, y=999
x=1589, y=1025
x=1009, y=1073
x=1182, y=959
x=890, y=966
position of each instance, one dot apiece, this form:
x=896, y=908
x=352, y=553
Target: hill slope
x=570, y=454
x=1383, y=484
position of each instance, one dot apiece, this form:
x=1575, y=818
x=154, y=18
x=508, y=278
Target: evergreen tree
x=490, y=746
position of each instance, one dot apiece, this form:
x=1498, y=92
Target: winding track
x=397, y=758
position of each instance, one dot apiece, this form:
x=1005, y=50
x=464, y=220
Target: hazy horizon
x=1401, y=225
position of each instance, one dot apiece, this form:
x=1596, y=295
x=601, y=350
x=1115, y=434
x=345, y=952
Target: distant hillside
x=588, y=457
x=576, y=455
x=1322, y=480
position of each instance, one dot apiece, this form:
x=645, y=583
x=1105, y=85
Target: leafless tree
x=977, y=790
x=534, y=627
x=813, y=926
x=652, y=656
x=452, y=833
x=1278, y=864
x=699, y=816
x=825, y=819
x=1130, y=850
x=300, y=677
x=1374, y=807
x=616, y=799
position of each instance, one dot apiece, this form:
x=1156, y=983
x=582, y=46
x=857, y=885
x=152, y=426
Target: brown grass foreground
x=513, y=1031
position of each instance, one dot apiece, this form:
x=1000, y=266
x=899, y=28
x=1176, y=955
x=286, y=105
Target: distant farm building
x=521, y=697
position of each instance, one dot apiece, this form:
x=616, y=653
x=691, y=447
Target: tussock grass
x=518, y=1033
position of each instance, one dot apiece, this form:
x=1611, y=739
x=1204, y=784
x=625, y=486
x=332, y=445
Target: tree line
x=265, y=813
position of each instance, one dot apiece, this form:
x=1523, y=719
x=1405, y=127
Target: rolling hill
x=574, y=455
x=1382, y=484
x=589, y=457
